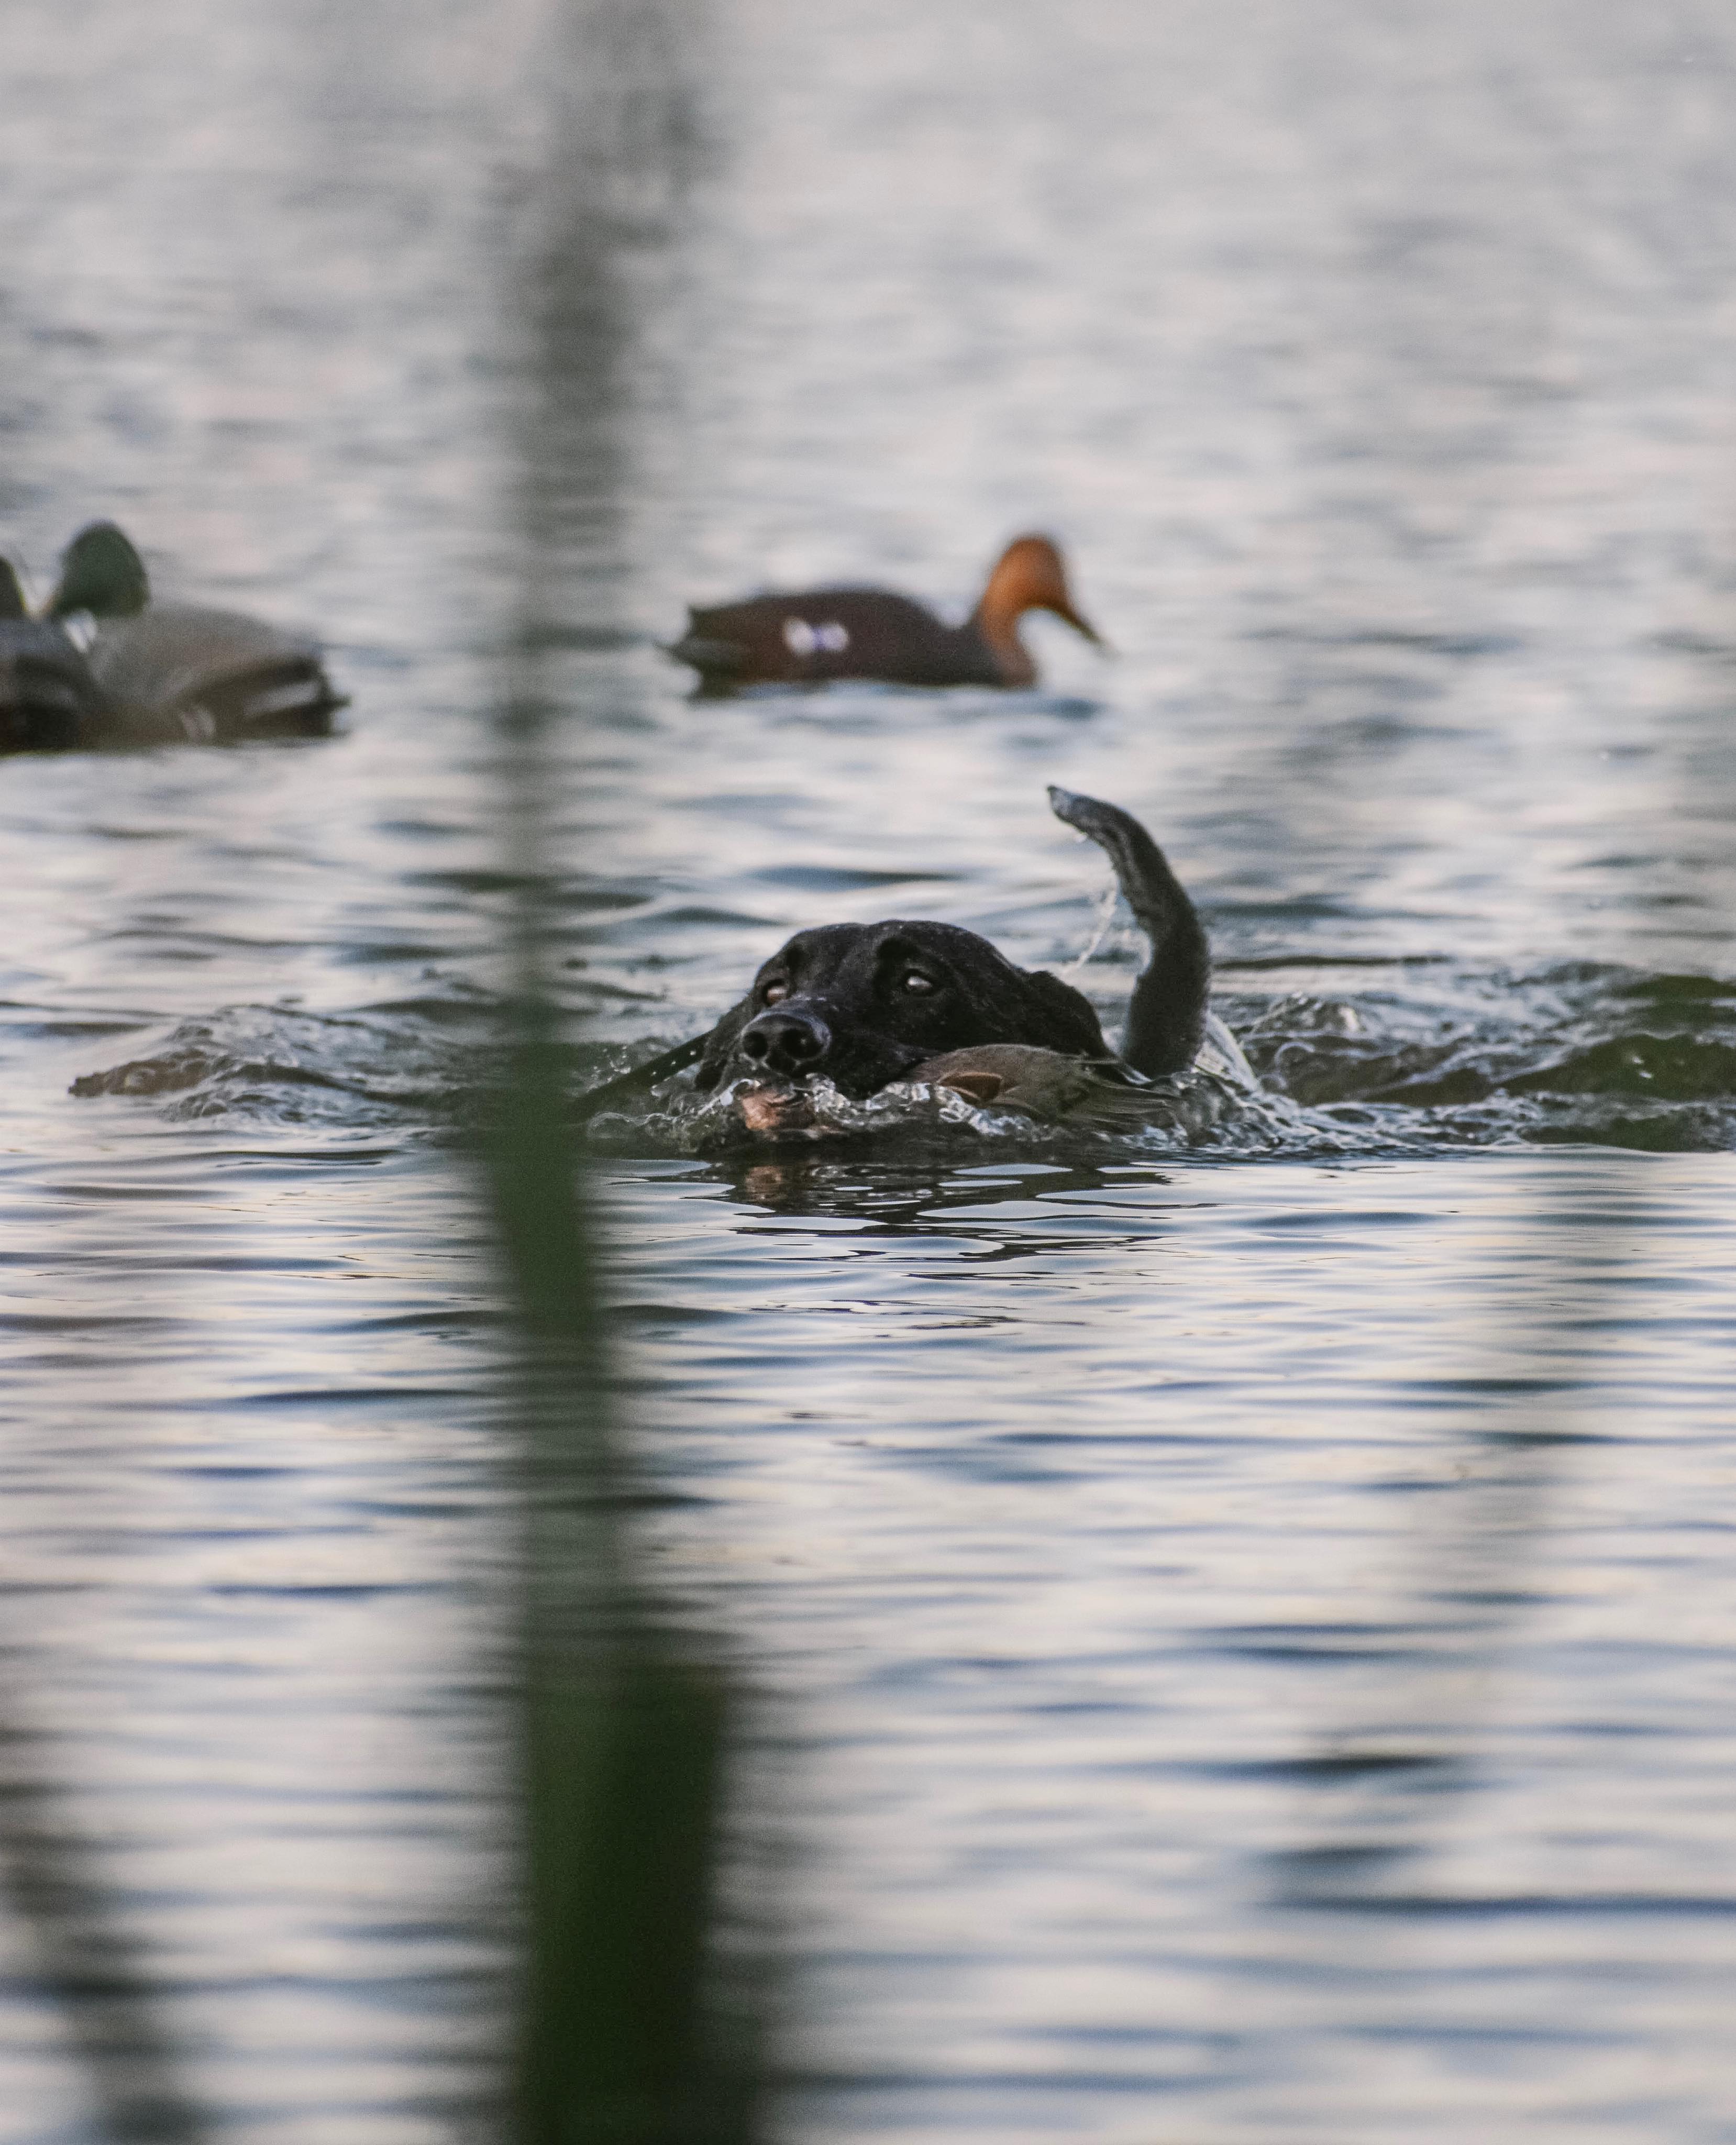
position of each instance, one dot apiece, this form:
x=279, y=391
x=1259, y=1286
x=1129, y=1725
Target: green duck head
x=11, y=596
x=100, y=573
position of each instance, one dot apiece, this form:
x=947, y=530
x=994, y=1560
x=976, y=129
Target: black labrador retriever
x=864, y=1004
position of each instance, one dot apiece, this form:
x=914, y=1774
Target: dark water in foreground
x=1252, y=1625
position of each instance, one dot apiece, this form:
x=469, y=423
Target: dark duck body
x=814, y=636
x=184, y=675
x=48, y=699
x=148, y=674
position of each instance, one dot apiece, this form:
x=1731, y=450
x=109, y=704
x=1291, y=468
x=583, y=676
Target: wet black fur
x=851, y=976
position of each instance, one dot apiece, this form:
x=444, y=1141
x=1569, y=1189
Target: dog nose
x=791, y=1043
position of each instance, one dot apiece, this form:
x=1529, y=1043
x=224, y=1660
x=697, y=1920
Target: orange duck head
x=1030, y=574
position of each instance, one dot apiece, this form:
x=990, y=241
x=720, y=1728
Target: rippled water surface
x=1250, y=1623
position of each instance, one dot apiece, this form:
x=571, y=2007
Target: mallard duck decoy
x=164, y=674
x=48, y=700
x=818, y=635
x=174, y=673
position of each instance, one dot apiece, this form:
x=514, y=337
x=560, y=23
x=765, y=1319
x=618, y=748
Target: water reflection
x=909, y=1193
x=96, y=1971
x=1474, y=1567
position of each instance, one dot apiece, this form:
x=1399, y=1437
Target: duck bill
x=1082, y=626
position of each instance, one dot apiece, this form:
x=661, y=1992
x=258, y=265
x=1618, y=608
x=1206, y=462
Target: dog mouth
x=1021, y=1078
x=858, y=1066
x=773, y=1108
x=987, y=1089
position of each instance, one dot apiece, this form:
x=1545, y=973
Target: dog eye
x=771, y=993
x=918, y=985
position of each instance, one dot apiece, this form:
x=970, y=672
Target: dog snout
x=786, y=1041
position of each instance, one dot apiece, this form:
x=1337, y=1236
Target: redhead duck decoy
x=149, y=674
x=818, y=635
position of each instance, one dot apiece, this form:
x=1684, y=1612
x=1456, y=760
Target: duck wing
x=182, y=673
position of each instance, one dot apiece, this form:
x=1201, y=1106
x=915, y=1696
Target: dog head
x=864, y=1003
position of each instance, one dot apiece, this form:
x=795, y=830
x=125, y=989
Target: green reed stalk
x=631, y=2032
x=625, y=1738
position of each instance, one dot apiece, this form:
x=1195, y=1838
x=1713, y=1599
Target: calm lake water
x=1251, y=1628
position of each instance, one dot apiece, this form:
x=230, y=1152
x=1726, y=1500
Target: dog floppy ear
x=1075, y=1028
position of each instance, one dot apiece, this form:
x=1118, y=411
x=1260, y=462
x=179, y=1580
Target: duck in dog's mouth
x=1020, y=1077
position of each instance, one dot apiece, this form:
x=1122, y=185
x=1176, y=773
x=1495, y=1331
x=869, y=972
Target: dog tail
x=1166, y=1014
